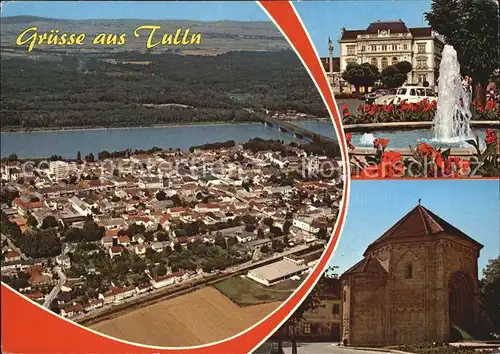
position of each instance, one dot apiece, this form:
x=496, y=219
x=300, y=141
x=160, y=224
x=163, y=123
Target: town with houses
x=88, y=233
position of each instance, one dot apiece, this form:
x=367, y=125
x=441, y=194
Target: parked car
x=389, y=95
x=410, y=94
x=370, y=97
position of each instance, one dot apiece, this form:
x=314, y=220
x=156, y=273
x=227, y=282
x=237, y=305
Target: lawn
x=244, y=291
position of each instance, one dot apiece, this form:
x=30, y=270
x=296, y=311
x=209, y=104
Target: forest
x=94, y=91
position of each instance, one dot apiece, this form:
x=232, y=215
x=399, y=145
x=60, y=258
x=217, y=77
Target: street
x=13, y=247
x=55, y=290
x=323, y=348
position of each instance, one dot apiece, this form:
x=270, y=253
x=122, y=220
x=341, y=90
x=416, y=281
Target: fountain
x=453, y=115
x=367, y=139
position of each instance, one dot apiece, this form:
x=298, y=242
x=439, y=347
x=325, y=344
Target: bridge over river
x=301, y=133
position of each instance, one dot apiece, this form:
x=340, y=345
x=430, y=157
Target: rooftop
x=280, y=269
x=397, y=26
x=421, y=222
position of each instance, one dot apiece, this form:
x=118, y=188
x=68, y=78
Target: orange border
x=29, y=328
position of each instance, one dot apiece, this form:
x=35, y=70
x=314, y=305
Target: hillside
x=133, y=88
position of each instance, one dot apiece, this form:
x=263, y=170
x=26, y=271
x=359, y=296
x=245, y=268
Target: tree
x=161, y=270
x=161, y=195
x=404, y=66
x=268, y=222
x=489, y=293
x=90, y=158
x=477, y=45
x=31, y=221
x=49, y=221
x=177, y=247
x=361, y=75
x=176, y=200
x=391, y=77
x=276, y=231
x=250, y=227
x=322, y=234
x=78, y=156
x=12, y=158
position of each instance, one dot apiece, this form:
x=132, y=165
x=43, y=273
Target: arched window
x=394, y=60
x=409, y=271
x=374, y=62
x=385, y=63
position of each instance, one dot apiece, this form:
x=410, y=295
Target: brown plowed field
x=200, y=317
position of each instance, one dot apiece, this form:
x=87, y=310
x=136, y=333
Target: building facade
x=324, y=322
x=384, y=43
x=417, y=283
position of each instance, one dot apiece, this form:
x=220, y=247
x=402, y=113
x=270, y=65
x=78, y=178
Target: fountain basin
x=405, y=134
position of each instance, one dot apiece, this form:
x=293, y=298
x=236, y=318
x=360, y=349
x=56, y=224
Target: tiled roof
x=370, y=264
x=352, y=34
x=421, y=32
x=392, y=26
x=420, y=222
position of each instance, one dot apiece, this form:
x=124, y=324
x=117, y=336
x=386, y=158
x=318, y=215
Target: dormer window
x=409, y=271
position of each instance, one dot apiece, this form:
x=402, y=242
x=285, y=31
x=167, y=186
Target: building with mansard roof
x=417, y=283
x=384, y=43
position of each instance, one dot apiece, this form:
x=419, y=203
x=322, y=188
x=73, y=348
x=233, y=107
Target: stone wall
x=367, y=320
x=410, y=305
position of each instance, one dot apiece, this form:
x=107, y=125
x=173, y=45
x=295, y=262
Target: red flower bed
x=424, y=110
x=426, y=161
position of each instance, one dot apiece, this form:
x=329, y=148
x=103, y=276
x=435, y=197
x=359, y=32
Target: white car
x=388, y=95
x=412, y=94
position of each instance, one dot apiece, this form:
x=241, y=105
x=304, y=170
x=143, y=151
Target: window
x=345, y=296
x=421, y=63
x=421, y=47
x=384, y=47
x=420, y=92
x=374, y=48
x=405, y=47
x=429, y=93
x=409, y=270
x=394, y=60
x=336, y=309
x=394, y=47
x=307, y=328
x=402, y=91
x=374, y=62
x=363, y=48
x=412, y=92
x=351, y=50
x=385, y=63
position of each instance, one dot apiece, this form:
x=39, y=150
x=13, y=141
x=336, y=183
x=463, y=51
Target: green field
x=245, y=292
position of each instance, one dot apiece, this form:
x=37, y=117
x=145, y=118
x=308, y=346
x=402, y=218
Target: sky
x=374, y=206
x=325, y=18
x=321, y=18
x=144, y=10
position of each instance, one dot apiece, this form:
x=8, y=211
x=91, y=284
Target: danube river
x=67, y=142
